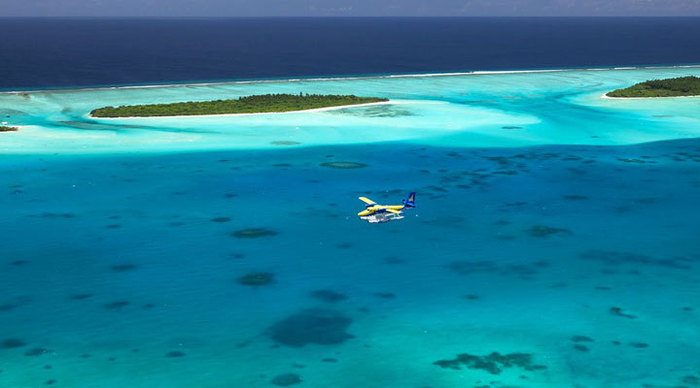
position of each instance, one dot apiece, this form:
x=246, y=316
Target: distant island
x=671, y=87
x=264, y=103
x=5, y=128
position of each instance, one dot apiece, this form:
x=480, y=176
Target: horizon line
x=354, y=17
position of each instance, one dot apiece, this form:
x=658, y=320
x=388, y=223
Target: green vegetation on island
x=265, y=103
x=4, y=128
x=672, y=87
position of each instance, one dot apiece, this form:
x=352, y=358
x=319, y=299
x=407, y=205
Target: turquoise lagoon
x=553, y=226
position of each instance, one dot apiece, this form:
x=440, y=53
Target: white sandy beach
x=606, y=97
x=244, y=114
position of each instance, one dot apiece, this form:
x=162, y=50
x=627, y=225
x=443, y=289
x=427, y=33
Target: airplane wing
x=367, y=200
x=393, y=211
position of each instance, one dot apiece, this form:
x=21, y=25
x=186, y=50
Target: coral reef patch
x=311, y=326
x=379, y=111
x=493, y=363
x=343, y=165
x=254, y=233
x=81, y=296
x=328, y=296
x=123, y=267
x=639, y=345
x=581, y=338
x=619, y=312
x=541, y=231
x=34, y=352
x=467, y=267
x=12, y=343
x=285, y=142
x=286, y=379
x=255, y=279
x=116, y=305
x=614, y=258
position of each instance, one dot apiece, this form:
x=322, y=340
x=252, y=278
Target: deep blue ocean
x=39, y=53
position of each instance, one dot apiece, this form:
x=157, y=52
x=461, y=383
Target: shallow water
x=123, y=268
x=477, y=110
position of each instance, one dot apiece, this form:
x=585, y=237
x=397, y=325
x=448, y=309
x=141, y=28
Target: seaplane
x=376, y=213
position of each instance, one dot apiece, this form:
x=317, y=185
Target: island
x=263, y=103
x=671, y=87
x=5, y=128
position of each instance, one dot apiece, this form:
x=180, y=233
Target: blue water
x=554, y=243
x=111, y=263
x=41, y=53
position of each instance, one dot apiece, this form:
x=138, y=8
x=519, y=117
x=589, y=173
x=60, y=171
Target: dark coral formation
x=35, y=352
x=581, y=348
x=343, y=165
x=328, y=296
x=493, y=363
x=49, y=215
x=484, y=266
x=393, y=260
x=619, y=312
x=639, y=345
x=311, y=326
x=8, y=307
x=12, y=343
x=81, y=296
x=254, y=233
x=581, y=338
x=116, y=305
x=286, y=379
x=175, y=354
x=374, y=111
x=123, y=267
x=613, y=258
x=285, y=142
x=255, y=279
x=546, y=231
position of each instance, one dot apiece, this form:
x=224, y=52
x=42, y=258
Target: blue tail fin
x=411, y=201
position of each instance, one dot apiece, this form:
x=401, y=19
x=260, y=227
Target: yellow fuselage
x=379, y=209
